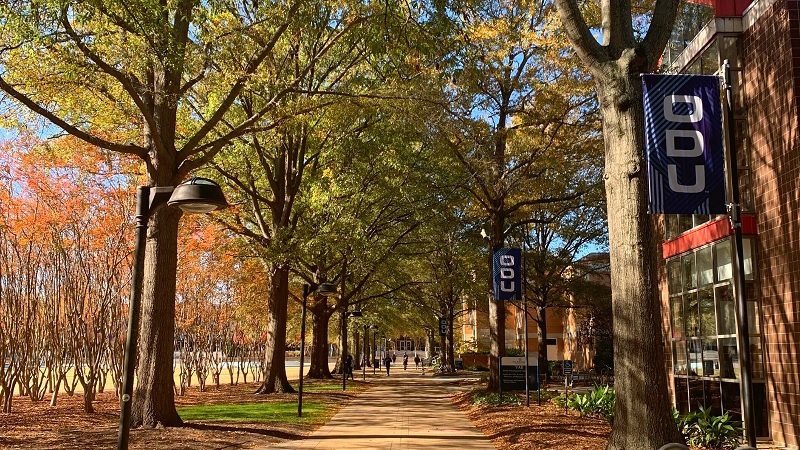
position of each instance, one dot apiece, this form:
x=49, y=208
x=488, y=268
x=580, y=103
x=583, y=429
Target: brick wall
x=771, y=54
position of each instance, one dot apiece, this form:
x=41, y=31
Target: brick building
x=761, y=38
x=567, y=335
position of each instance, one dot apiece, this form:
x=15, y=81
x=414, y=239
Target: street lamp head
x=326, y=289
x=373, y=327
x=198, y=195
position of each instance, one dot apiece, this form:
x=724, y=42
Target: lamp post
x=374, y=348
x=197, y=195
x=366, y=345
x=385, y=349
x=345, y=315
x=325, y=289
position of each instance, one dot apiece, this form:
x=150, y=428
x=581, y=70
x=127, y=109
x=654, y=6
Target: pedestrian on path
x=416, y=361
x=405, y=361
x=388, y=363
x=348, y=367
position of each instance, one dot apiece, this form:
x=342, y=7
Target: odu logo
x=507, y=274
x=696, y=149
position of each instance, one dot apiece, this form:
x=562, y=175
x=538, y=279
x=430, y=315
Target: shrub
x=702, y=429
x=598, y=403
x=493, y=399
x=514, y=352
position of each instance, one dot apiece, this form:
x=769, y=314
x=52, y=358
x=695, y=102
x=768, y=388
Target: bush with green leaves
x=702, y=429
x=597, y=403
x=514, y=352
x=493, y=399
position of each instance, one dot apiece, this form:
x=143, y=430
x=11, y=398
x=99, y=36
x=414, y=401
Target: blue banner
x=683, y=144
x=506, y=273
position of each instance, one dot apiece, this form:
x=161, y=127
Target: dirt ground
x=39, y=426
x=535, y=427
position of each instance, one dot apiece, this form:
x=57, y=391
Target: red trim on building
x=706, y=234
x=725, y=8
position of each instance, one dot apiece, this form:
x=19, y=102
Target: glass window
x=671, y=226
x=676, y=310
x=756, y=358
x=726, y=322
x=753, y=325
x=709, y=61
x=692, y=315
x=728, y=358
x=674, y=275
x=684, y=222
x=747, y=252
x=705, y=267
x=724, y=265
x=679, y=357
x=689, y=272
x=695, y=347
x=699, y=219
x=710, y=358
x=708, y=320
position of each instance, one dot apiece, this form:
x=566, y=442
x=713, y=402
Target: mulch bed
x=37, y=425
x=535, y=427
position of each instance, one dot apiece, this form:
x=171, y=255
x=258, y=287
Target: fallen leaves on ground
x=535, y=427
x=37, y=425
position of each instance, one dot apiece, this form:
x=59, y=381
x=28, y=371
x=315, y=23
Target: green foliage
x=604, y=352
x=514, y=352
x=559, y=400
x=702, y=429
x=553, y=367
x=259, y=412
x=493, y=399
x=597, y=403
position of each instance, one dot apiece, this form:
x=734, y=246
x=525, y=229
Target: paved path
x=405, y=411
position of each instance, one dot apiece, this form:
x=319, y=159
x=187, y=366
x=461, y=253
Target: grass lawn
x=256, y=412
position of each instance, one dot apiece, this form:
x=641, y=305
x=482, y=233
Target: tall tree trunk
x=451, y=362
x=638, y=340
x=497, y=314
x=356, y=349
x=154, y=396
x=541, y=324
x=320, y=318
x=339, y=366
x=428, y=343
x=275, y=348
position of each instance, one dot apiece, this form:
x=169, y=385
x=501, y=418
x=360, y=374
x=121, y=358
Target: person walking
x=388, y=363
x=405, y=361
x=416, y=362
x=348, y=367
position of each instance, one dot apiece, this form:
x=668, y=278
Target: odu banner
x=683, y=144
x=506, y=273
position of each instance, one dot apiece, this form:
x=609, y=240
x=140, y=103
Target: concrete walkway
x=405, y=411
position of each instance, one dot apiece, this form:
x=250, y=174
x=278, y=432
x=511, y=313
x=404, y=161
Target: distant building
x=567, y=335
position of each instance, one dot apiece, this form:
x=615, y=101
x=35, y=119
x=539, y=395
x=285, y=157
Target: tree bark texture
x=541, y=324
x=642, y=412
x=320, y=317
x=275, y=347
x=451, y=361
x=154, y=397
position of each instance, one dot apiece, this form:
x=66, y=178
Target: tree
x=642, y=417
x=558, y=235
x=506, y=119
x=156, y=80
